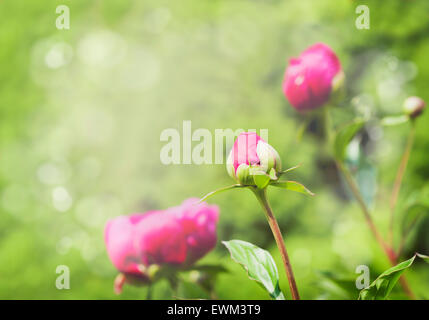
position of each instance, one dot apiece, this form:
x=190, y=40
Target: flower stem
x=388, y=250
x=327, y=126
x=390, y=253
x=261, y=195
x=149, y=292
x=356, y=193
x=399, y=178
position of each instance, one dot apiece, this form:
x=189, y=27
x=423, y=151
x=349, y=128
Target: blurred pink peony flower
x=178, y=236
x=198, y=221
x=251, y=155
x=310, y=79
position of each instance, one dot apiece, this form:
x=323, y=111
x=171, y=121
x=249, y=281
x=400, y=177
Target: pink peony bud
x=249, y=156
x=414, y=106
x=177, y=236
x=310, y=79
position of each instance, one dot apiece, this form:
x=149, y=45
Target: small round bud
x=251, y=156
x=414, y=106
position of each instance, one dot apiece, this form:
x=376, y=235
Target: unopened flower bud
x=314, y=78
x=250, y=156
x=414, y=106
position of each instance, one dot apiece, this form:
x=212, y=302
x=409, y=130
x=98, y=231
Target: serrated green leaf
x=344, y=136
x=383, y=285
x=293, y=186
x=258, y=263
x=210, y=194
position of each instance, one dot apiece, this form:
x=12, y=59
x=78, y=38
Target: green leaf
x=415, y=208
x=258, y=263
x=337, y=286
x=301, y=129
x=210, y=194
x=261, y=180
x=293, y=186
x=383, y=285
x=394, y=120
x=344, y=136
x=412, y=215
x=424, y=195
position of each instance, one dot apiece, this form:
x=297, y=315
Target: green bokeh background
x=81, y=112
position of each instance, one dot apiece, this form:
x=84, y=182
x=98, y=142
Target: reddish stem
x=261, y=194
x=399, y=178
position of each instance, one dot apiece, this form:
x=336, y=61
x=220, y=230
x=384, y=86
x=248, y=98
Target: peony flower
x=119, y=235
x=414, y=106
x=176, y=237
x=310, y=79
x=198, y=221
x=251, y=156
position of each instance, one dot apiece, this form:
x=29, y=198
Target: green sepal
x=279, y=174
x=273, y=175
x=261, y=179
x=208, y=195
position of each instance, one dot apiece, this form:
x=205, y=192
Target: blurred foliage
x=81, y=111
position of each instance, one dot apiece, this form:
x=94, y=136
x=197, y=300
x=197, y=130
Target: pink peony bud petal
x=309, y=79
x=245, y=149
x=251, y=154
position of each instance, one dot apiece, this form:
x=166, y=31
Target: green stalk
x=149, y=292
x=399, y=178
x=356, y=193
x=390, y=253
x=261, y=195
